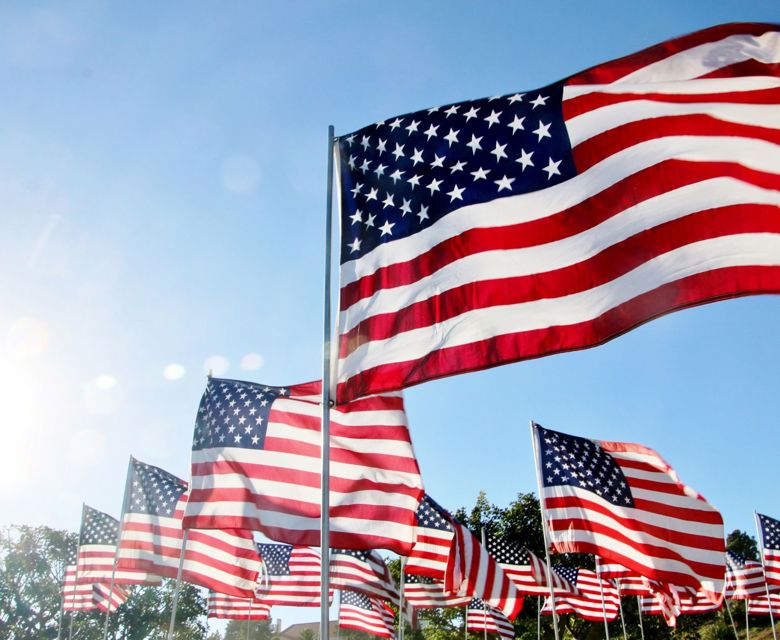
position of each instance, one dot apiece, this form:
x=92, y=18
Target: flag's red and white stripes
x=227, y=607
x=760, y=606
x=588, y=605
x=472, y=571
x=479, y=620
x=370, y=576
x=301, y=588
x=96, y=564
x=541, y=578
x=772, y=566
x=675, y=204
x=426, y=593
x=105, y=599
x=372, y=616
x=700, y=603
x=224, y=561
x=76, y=597
x=671, y=535
x=742, y=584
x=375, y=483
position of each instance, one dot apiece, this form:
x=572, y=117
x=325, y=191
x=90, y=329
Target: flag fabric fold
x=744, y=577
x=256, y=466
x=226, y=607
x=76, y=597
x=363, y=571
x=358, y=611
x=588, y=604
x=225, y=561
x=291, y=577
x=426, y=593
x=760, y=606
x=506, y=228
x=481, y=617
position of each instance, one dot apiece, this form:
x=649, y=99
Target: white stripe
x=689, y=88
x=479, y=324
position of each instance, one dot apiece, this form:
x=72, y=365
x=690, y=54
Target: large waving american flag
x=625, y=504
x=496, y=230
x=256, y=466
x=769, y=530
x=151, y=540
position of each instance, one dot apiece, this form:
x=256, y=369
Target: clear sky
x=162, y=190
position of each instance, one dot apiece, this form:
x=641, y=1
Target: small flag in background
x=227, y=607
x=256, y=466
x=358, y=611
x=427, y=593
x=107, y=600
x=76, y=597
x=744, y=578
x=588, y=605
x=292, y=574
x=433, y=540
x=362, y=571
x=625, y=504
x=700, y=603
x=97, y=551
x=225, y=561
x=759, y=606
x=506, y=228
x=769, y=529
x=481, y=618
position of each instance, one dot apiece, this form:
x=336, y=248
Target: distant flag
x=744, y=577
x=426, y=593
x=225, y=607
x=97, y=550
x=481, y=618
x=506, y=228
x=433, y=540
x=700, y=603
x=625, y=504
x=759, y=606
x=588, y=605
x=362, y=571
x=358, y=611
x=225, y=561
x=769, y=530
x=256, y=466
x=106, y=599
x=76, y=597
x=292, y=574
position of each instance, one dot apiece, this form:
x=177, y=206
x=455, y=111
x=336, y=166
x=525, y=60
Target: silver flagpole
x=747, y=621
x=177, y=590
x=731, y=618
x=603, y=602
x=538, y=617
x=116, y=552
x=326, y=402
x=484, y=604
x=620, y=605
x=465, y=622
x=401, y=619
x=76, y=574
x=62, y=593
x=766, y=584
x=535, y=444
x=639, y=609
x=249, y=617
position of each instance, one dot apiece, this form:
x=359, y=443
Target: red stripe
x=699, y=289
x=614, y=70
x=745, y=68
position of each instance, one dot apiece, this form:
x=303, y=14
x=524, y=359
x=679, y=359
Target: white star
x=371, y=195
x=438, y=162
x=499, y=151
x=406, y=207
x=452, y=136
x=355, y=217
x=516, y=124
x=396, y=175
x=433, y=109
x=543, y=131
x=471, y=113
x=451, y=111
x=350, y=139
x=380, y=170
x=389, y=201
x=365, y=143
x=255, y=439
x=381, y=146
x=395, y=124
x=356, y=190
x=518, y=97
x=399, y=151
x=422, y=213
x=525, y=159
x=417, y=156
x=552, y=168
x=504, y=183
x=412, y=128
x=366, y=164
x=414, y=181
x=351, y=161
x=432, y=131
x=370, y=220
x=387, y=228
x=458, y=166
x=492, y=118
x=539, y=101
x=434, y=185
x=455, y=194
x=474, y=144
x=480, y=174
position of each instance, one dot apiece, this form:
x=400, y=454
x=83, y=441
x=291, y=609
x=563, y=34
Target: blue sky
x=162, y=188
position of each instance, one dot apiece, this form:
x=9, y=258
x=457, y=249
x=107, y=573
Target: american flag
x=588, y=605
x=481, y=618
x=700, y=603
x=97, y=551
x=506, y=228
x=76, y=597
x=225, y=561
x=433, y=541
x=475, y=573
x=744, y=577
x=760, y=606
x=427, y=593
x=524, y=568
x=769, y=530
x=293, y=576
x=106, y=599
x=358, y=611
x=227, y=607
x=362, y=571
x=256, y=466
x=625, y=504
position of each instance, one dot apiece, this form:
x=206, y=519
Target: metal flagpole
x=747, y=622
x=326, y=402
x=116, y=552
x=641, y=624
x=62, y=594
x=177, y=590
x=603, y=602
x=766, y=584
x=731, y=618
x=535, y=444
x=539, y=617
x=401, y=620
x=466, y=622
x=249, y=617
x=484, y=604
x=76, y=575
x=620, y=606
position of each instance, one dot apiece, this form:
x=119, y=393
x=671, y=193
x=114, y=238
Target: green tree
x=258, y=630
x=742, y=543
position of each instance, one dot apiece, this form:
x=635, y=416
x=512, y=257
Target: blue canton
x=770, y=531
x=234, y=414
x=97, y=527
x=431, y=516
x=276, y=558
x=360, y=555
x=356, y=599
x=153, y=491
x=506, y=552
x=401, y=176
x=582, y=463
x=567, y=573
